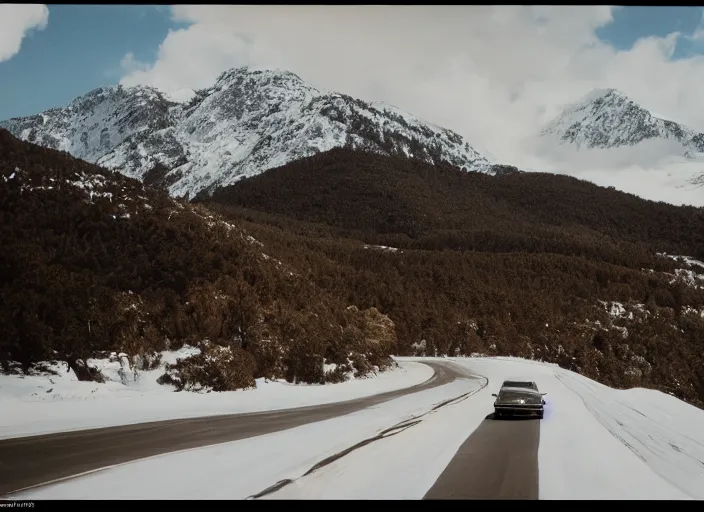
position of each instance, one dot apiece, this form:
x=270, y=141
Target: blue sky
x=82, y=47
x=633, y=23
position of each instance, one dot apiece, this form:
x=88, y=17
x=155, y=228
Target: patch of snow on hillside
x=181, y=95
x=381, y=248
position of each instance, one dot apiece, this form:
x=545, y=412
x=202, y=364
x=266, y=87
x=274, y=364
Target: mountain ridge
x=245, y=123
x=251, y=121
x=406, y=204
x=607, y=118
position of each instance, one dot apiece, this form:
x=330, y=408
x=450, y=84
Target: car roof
x=527, y=391
x=518, y=383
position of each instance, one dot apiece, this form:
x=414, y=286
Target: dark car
x=519, y=398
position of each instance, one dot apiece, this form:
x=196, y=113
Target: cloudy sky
x=495, y=74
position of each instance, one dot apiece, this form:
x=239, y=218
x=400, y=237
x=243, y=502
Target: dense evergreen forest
x=527, y=264
x=345, y=257
x=93, y=262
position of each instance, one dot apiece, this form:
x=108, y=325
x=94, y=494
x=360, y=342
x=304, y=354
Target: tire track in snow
x=389, y=432
x=654, y=454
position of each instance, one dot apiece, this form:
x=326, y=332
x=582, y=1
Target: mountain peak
x=248, y=121
x=260, y=72
x=259, y=76
x=604, y=99
x=607, y=118
x=598, y=93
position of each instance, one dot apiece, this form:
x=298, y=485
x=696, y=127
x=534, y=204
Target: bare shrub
x=337, y=374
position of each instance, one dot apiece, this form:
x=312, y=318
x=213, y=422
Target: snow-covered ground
x=239, y=469
x=595, y=443
x=35, y=405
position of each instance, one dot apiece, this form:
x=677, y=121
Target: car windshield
x=516, y=395
x=518, y=384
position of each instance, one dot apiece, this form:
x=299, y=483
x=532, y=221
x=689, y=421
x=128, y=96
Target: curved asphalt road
x=31, y=461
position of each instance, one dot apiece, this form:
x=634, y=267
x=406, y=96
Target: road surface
x=31, y=461
x=499, y=460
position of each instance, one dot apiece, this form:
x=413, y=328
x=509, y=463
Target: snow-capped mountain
x=249, y=121
x=606, y=118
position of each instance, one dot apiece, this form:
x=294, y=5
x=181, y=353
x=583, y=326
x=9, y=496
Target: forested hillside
x=92, y=261
x=525, y=264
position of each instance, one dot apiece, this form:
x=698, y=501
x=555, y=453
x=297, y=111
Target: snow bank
x=663, y=434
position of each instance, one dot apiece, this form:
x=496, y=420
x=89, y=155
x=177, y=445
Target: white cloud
x=130, y=65
x=666, y=183
x=16, y=20
x=698, y=34
x=495, y=74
